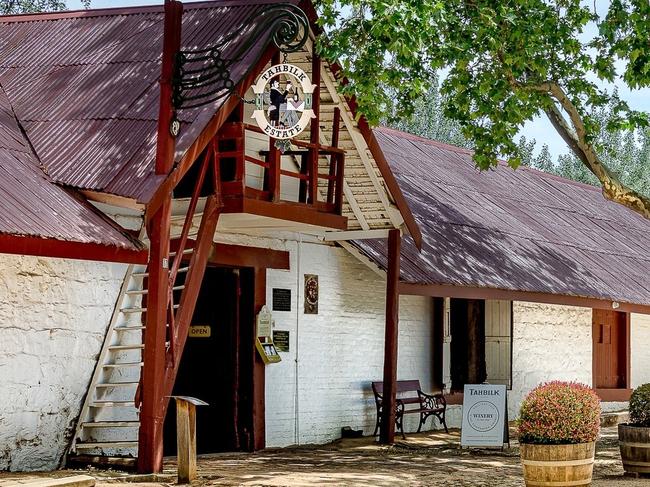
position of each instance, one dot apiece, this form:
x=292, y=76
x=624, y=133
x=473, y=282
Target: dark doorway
x=611, y=355
x=215, y=366
x=467, y=327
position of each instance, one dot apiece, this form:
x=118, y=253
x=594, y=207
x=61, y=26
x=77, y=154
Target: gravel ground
x=426, y=459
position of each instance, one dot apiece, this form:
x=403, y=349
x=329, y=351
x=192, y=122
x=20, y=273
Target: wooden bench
x=409, y=393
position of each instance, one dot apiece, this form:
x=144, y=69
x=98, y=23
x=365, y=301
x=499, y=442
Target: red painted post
x=314, y=136
x=150, y=440
x=275, y=158
x=387, y=431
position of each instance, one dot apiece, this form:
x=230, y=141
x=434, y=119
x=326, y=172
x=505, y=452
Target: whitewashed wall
x=640, y=349
x=53, y=317
x=323, y=382
x=550, y=342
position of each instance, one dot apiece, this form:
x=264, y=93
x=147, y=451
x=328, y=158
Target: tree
x=428, y=119
x=505, y=63
x=10, y=7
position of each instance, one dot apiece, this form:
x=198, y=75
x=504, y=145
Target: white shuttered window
x=498, y=342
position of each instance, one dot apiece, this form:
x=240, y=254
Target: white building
x=552, y=276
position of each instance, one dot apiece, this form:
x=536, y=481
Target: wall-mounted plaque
x=281, y=299
x=281, y=340
x=311, y=294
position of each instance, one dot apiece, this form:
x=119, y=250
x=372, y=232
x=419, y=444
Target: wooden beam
x=387, y=431
x=356, y=235
x=152, y=414
x=285, y=210
x=467, y=292
x=47, y=247
x=231, y=255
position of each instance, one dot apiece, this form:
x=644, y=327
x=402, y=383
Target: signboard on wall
x=485, y=415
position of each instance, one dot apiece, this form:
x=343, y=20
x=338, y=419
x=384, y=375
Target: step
x=186, y=251
x=129, y=328
x=123, y=364
x=146, y=274
x=116, y=384
x=83, y=461
x=134, y=346
x=133, y=310
x=112, y=404
x=112, y=424
x=106, y=444
x=146, y=291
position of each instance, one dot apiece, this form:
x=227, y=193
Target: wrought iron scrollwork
x=203, y=76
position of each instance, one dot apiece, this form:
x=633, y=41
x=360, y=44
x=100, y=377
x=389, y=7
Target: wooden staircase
x=109, y=422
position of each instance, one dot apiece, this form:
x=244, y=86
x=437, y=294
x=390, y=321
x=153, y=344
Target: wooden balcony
x=302, y=185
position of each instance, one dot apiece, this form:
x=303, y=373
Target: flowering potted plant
x=558, y=426
x=634, y=437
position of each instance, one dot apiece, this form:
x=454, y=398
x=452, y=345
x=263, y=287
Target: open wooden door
x=610, y=353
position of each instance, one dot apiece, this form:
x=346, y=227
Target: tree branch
x=575, y=137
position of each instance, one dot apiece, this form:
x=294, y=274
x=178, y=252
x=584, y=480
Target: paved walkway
x=427, y=459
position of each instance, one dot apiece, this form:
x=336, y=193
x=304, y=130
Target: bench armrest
x=432, y=401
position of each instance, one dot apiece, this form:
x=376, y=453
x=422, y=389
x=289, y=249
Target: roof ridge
x=109, y=11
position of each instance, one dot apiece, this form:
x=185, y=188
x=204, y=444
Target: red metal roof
x=84, y=85
x=31, y=205
x=518, y=230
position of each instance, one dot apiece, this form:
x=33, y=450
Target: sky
x=540, y=128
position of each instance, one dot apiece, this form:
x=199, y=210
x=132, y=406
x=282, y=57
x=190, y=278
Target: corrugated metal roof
x=519, y=230
x=84, y=86
x=31, y=205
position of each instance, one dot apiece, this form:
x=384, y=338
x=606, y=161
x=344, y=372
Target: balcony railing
x=253, y=168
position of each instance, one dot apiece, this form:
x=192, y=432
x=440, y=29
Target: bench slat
x=402, y=386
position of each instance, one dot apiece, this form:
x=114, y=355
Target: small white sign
x=485, y=415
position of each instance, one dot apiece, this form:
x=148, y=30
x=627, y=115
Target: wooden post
x=314, y=136
x=274, y=157
x=334, y=161
x=186, y=437
x=150, y=439
x=259, y=370
x=387, y=431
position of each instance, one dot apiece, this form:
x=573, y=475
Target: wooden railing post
x=333, y=170
x=314, y=136
x=338, y=197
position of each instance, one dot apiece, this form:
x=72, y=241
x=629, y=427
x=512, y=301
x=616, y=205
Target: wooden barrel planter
x=558, y=465
x=634, y=442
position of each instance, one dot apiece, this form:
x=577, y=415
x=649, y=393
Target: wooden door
x=610, y=351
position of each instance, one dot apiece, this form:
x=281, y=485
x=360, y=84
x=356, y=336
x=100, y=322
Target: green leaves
x=495, y=60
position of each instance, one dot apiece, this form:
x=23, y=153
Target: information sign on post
x=485, y=416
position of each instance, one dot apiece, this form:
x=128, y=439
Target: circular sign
x=283, y=101
x=483, y=416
